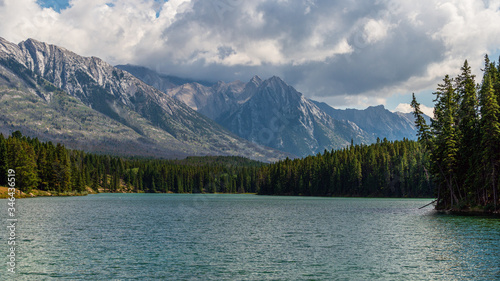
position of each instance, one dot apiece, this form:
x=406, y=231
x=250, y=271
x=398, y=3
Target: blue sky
x=346, y=53
x=57, y=5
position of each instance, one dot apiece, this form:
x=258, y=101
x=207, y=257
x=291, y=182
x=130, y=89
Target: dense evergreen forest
x=49, y=167
x=390, y=169
x=383, y=169
x=464, y=139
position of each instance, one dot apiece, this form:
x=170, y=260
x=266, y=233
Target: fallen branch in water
x=428, y=204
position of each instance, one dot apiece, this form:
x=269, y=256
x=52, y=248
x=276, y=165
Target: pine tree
x=444, y=155
x=21, y=157
x=490, y=136
x=62, y=169
x=105, y=186
x=3, y=160
x=423, y=130
x=468, y=124
x=95, y=181
x=115, y=182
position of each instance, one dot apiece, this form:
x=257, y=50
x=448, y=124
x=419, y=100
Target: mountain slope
x=377, y=121
x=269, y=113
x=278, y=116
x=159, y=81
x=210, y=101
x=156, y=120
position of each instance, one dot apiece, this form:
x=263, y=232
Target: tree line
x=464, y=139
x=48, y=167
x=383, y=169
x=387, y=169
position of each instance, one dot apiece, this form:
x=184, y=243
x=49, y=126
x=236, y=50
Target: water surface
x=248, y=237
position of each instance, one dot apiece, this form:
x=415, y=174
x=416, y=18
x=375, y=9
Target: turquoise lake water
x=246, y=237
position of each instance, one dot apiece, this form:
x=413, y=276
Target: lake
x=247, y=237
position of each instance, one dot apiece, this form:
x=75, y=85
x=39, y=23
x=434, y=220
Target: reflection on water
x=246, y=237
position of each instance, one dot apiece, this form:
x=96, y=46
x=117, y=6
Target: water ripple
x=245, y=237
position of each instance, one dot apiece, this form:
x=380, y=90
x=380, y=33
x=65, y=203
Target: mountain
x=270, y=113
x=210, y=99
x=377, y=121
x=159, y=81
x=278, y=116
x=85, y=103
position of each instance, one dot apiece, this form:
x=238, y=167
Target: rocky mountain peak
x=275, y=80
x=376, y=107
x=9, y=50
x=219, y=84
x=250, y=88
x=256, y=80
x=276, y=91
x=279, y=116
x=34, y=44
x=101, y=101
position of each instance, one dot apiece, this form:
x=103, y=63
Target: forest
x=464, y=139
x=386, y=169
x=383, y=169
x=49, y=167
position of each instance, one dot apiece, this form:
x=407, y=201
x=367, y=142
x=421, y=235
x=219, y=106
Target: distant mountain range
x=54, y=94
x=272, y=113
x=377, y=121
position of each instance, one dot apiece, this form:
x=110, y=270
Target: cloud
x=350, y=52
x=406, y=108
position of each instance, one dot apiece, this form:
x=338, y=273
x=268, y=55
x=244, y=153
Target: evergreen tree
x=62, y=169
x=3, y=160
x=423, y=130
x=95, y=181
x=490, y=137
x=468, y=125
x=104, y=180
x=466, y=173
x=21, y=157
x=444, y=154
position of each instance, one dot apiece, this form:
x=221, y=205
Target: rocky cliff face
x=277, y=115
x=273, y=113
x=153, y=115
x=211, y=101
x=270, y=113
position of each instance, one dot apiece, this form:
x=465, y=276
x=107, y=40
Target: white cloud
x=351, y=52
x=406, y=108
x=375, y=31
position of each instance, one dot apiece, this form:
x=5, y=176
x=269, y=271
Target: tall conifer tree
x=490, y=136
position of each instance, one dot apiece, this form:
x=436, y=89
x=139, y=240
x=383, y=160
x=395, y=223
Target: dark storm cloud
x=324, y=48
x=229, y=26
x=406, y=52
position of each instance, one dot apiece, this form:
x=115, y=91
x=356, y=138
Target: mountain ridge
x=230, y=109
x=156, y=118
x=377, y=121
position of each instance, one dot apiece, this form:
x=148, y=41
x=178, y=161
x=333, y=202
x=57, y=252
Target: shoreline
x=39, y=193
x=470, y=212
